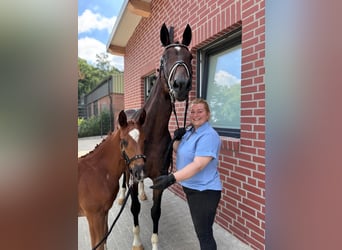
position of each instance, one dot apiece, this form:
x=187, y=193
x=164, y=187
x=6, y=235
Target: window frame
x=149, y=82
x=226, y=42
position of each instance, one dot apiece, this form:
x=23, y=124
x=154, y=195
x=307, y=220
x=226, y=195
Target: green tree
x=90, y=76
x=225, y=105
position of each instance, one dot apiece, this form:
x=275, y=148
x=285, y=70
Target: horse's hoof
x=138, y=247
x=143, y=197
x=120, y=201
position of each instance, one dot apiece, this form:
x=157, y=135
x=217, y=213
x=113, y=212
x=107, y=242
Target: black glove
x=178, y=134
x=163, y=181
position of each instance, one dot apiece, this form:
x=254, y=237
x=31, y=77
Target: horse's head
x=175, y=63
x=132, y=143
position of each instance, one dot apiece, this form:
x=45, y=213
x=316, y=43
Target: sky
x=95, y=23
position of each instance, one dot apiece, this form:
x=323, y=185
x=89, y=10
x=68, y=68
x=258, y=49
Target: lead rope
x=168, y=169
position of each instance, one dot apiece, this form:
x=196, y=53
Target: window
x=95, y=108
x=220, y=83
x=149, y=81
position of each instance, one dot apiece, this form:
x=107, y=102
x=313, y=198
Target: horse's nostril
x=138, y=172
x=175, y=85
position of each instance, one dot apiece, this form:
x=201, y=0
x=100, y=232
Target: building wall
x=242, y=161
x=117, y=104
x=99, y=96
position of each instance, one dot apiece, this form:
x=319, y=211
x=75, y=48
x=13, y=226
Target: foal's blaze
x=132, y=144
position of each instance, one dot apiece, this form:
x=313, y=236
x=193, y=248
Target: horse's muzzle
x=138, y=172
x=181, y=88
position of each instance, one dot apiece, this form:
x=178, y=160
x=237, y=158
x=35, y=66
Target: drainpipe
x=111, y=115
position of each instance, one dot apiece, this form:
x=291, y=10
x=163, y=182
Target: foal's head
x=176, y=63
x=132, y=143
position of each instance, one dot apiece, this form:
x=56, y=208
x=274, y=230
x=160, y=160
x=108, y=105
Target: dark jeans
x=203, y=205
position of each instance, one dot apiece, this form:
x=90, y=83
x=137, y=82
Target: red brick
x=252, y=189
x=252, y=204
x=256, y=198
x=238, y=176
x=247, y=209
x=251, y=219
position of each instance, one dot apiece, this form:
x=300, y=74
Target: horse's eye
x=124, y=143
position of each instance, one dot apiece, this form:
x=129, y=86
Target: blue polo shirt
x=203, y=142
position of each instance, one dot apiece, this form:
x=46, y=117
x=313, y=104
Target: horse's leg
x=122, y=192
x=97, y=229
x=155, y=214
x=106, y=229
x=135, y=209
x=142, y=194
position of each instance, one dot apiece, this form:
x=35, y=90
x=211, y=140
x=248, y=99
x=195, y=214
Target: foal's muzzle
x=138, y=172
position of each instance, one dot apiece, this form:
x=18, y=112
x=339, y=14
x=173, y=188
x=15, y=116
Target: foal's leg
x=142, y=194
x=122, y=192
x=155, y=214
x=135, y=209
x=97, y=229
x=106, y=229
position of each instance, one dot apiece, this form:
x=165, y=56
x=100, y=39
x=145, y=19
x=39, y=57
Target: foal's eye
x=124, y=143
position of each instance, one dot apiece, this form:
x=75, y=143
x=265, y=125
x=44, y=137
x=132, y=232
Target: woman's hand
x=163, y=181
x=178, y=134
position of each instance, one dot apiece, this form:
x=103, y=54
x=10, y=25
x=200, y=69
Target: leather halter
x=128, y=160
x=173, y=70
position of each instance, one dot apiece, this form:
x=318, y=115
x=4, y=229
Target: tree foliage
x=90, y=76
x=225, y=105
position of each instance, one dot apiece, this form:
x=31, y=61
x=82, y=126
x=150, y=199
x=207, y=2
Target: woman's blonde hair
x=204, y=102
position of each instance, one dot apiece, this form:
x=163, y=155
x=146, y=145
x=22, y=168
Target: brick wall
x=242, y=161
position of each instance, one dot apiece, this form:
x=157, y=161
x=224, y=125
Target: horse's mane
x=130, y=122
x=97, y=145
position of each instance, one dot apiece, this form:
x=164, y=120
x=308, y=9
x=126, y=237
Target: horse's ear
x=142, y=117
x=187, y=36
x=164, y=35
x=122, y=119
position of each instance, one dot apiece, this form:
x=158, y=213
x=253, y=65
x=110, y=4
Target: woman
x=197, y=160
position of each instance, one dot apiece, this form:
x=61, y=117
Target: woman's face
x=198, y=115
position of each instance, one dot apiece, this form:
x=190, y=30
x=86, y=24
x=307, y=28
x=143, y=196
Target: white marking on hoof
x=122, y=196
x=142, y=194
x=138, y=248
x=154, y=241
x=136, y=240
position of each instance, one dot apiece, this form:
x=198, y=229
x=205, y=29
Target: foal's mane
x=129, y=123
x=97, y=145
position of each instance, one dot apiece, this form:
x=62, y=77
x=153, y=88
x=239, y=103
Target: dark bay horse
x=173, y=83
x=100, y=170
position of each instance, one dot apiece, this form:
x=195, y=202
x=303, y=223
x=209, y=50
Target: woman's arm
x=192, y=168
x=175, y=145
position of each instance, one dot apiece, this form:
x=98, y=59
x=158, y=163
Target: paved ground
x=175, y=226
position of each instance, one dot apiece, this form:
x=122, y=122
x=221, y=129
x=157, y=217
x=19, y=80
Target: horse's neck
x=108, y=154
x=158, y=108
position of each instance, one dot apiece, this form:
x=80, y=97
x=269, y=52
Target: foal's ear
x=164, y=35
x=122, y=119
x=187, y=35
x=142, y=117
